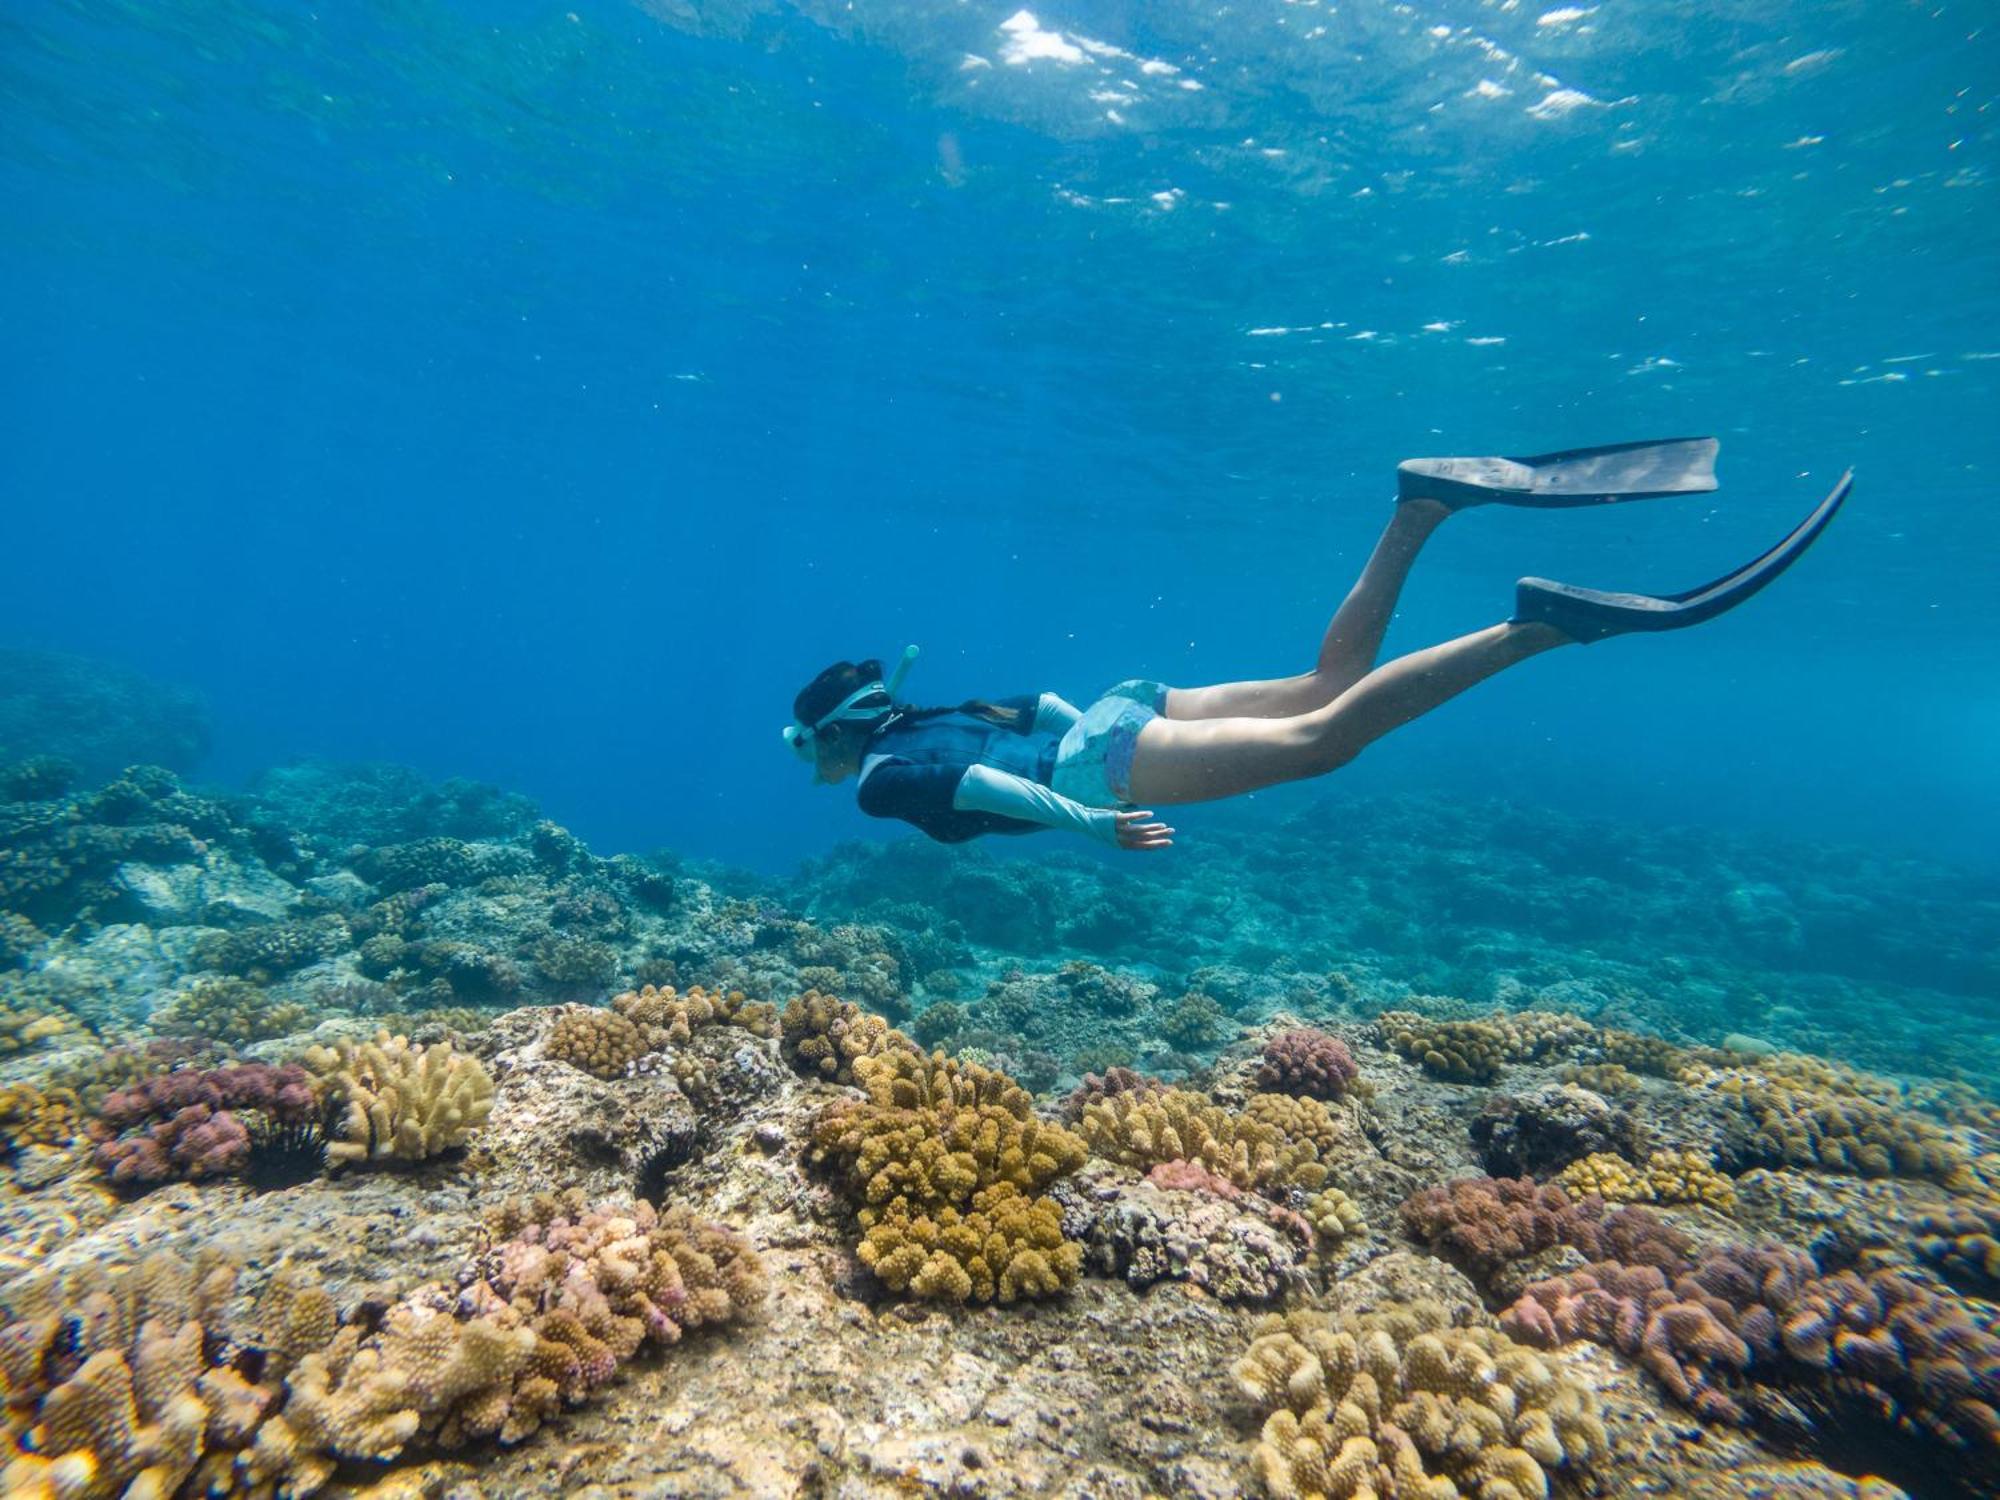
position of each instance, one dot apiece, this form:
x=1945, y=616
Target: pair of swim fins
x=1603, y=476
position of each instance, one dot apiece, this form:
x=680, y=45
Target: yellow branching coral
x=1608, y=1078
x=1333, y=1215
x=1276, y=1142
x=22, y=1029
x=677, y=1013
x=1401, y=1403
x=1667, y=1177
x=948, y=1161
x=1793, y=1123
x=30, y=1116
x=601, y=1043
x=390, y=1101
x=105, y=1376
x=822, y=1037
x=1461, y=1051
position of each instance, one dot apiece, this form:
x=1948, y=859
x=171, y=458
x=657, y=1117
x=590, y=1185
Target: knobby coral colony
x=1739, y=1333
x=132, y=1382
x=947, y=1162
x=1402, y=1403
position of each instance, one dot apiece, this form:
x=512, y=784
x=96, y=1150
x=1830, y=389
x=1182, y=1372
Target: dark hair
x=825, y=691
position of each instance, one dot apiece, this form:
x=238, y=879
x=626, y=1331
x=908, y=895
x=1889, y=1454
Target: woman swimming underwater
x=1015, y=765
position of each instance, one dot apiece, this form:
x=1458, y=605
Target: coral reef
x=1184, y=1224
x=109, y=1382
x=602, y=1043
x=949, y=1166
x=24, y=1030
x=598, y=1284
x=1195, y=1021
x=31, y=1116
x=1666, y=1177
x=1276, y=1142
x=1963, y=1241
x=1879, y=1346
x=1482, y=1223
x=132, y=1382
x=675, y=1015
x=1613, y=1080
x=1226, y=1178
x=823, y=1037
x=233, y=1011
x=1473, y=1050
x=1399, y=1402
x=1114, y=1080
x=1539, y=1132
x=1814, y=1118
x=1460, y=1051
x=1309, y=1062
x=274, y=949
x=390, y=1101
x=198, y=1124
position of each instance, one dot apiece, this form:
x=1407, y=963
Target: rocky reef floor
x=363, y=1136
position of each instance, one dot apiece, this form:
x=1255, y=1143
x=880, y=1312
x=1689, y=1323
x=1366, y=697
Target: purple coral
x=1308, y=1062
x=1484, y=1222
x=284, y=1093
x=1892, y=1345
x=191, y=1125
x=195, y=1143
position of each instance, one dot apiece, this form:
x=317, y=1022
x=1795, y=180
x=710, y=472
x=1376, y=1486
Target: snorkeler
x=1016, y=765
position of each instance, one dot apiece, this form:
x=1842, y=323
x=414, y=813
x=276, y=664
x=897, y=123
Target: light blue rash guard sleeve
x=983, y=789
x=1055, y=715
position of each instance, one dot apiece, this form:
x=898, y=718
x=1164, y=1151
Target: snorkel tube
x=801, y=737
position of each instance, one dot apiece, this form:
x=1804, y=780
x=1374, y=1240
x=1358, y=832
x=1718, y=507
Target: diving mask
x=801, y=737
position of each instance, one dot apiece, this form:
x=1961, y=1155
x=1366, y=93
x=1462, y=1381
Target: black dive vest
x=927, y=758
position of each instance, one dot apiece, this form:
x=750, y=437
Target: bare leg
x=1197, y=761
x=1352, y=640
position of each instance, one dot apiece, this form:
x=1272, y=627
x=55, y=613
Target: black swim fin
x=1588, y=615
x=1575, y=476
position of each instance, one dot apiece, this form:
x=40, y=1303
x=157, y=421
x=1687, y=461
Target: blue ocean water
x=544, y=394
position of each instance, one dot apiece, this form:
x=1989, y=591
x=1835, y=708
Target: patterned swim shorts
x=1094, y=761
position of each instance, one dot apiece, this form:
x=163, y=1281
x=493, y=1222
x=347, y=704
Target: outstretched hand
x=1136, y=832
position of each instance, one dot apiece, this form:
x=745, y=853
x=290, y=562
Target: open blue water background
x=543, y=394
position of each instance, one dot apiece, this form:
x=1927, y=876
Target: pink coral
x=1192, y=1177
x=1885, y=1344
x=1309, y=1062
x=1485, y=1222
x=197, y=1142
x=285, y=1093
x=194, y=1130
